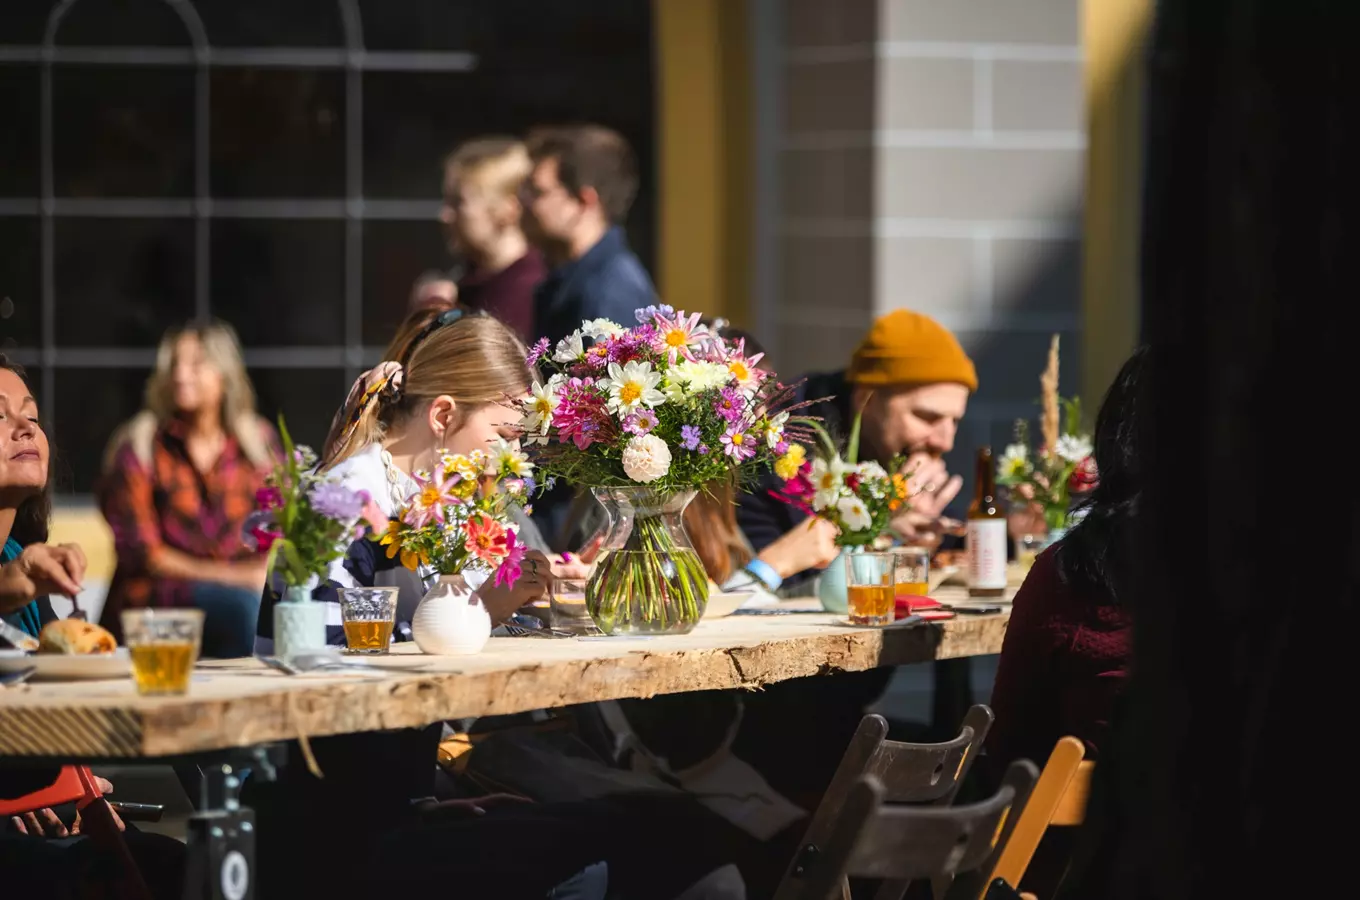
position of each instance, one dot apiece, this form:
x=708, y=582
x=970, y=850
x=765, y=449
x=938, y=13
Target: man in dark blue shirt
x=575, y=201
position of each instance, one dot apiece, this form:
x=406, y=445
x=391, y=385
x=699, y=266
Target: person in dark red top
x=1069, y=642
x=481, y=216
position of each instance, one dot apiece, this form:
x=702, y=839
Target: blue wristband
x=766, y=573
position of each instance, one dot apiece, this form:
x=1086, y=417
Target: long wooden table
x=241, y=703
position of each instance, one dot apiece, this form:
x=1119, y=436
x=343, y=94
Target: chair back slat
x=1048, y=793
x=905, y=772
x=904, y=843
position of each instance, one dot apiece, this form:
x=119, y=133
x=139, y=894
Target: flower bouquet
x=458, y=522
x=645, y=417
x=304, y=520
x=1062, y=466
x=859, y=498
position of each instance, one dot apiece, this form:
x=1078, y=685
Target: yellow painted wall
x=1114, y=34
x=703, y=121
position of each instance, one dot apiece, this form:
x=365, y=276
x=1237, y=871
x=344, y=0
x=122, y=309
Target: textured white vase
x=451, y=619
x=299, y=623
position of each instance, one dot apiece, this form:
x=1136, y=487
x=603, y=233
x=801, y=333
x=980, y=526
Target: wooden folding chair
x=957, y=845
x=1058, y=798
x=76, y=785
x=907, y=773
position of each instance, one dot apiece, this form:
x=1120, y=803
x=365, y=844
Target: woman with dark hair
x=30, y=569
x=1069, y=641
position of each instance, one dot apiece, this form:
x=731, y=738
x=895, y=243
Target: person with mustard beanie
x=912, y=379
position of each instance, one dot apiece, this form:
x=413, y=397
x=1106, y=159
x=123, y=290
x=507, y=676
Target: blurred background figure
x=576, y=198
x=482, y=219
x=179, y=479
x=433, y=290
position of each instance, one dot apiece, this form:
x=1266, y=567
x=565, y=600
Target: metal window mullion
x=48, y=241
x=202, y=186
x=354, y=187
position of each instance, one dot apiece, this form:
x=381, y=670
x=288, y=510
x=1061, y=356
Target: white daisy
x=871, y=471
x=828, y=482
x=539, y=413
x=570, y=348
x=1073, y=448
x=600, y=328
x=853, y=514
x=1014, y=461
x=509, y=461
x=774, y=430
x=633, y=384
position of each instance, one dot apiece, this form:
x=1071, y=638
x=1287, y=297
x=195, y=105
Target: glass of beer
x=164, y=645
x=869, y=582
x=911, y=572
x=368, y=614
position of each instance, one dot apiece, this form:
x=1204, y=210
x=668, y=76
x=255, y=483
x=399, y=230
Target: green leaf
x=852, y=448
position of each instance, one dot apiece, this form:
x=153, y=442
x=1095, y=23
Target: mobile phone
x=771, y=611
x=975, y=610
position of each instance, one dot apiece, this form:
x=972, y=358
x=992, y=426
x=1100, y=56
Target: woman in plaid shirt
x=179, y=480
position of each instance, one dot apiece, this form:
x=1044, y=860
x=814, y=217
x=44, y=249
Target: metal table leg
x=221, y=848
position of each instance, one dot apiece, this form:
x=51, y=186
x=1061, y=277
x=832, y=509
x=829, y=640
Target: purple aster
x=703, y=448
x=640, y=422
x=689, y=437
x=781, y=448
x=731, y=405
x=536, y=352
x=647, y=313
x=335, y=501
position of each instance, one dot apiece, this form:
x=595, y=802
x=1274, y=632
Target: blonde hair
x=497, y=165
x=476, y=360
x=221, y=350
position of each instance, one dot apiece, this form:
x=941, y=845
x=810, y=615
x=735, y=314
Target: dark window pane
x=20, y=283
x=280, y=281
x=25, y=21
x=122, y=282
x=262, y=23
x=122, y=23
x=278, y=132
x=123, y=131
x=448, y=25
x=90, y=405
x=395, y=255
x=532, y=28
x=308, y=398
x=20, y=96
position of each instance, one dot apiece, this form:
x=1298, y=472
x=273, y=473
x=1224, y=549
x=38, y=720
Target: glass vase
x=647, y=578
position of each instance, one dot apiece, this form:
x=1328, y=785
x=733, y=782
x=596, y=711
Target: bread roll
x=75, y=636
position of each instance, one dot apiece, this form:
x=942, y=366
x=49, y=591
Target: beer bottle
x=986, y=541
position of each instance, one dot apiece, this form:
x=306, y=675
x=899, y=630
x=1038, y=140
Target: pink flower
x=641, y=422
x=676, y=335
x=434, y=494
x=264, y=538
x=512, y=566
x=487, y=539
x=731, y=405
x=738, y=443
x=268, y=497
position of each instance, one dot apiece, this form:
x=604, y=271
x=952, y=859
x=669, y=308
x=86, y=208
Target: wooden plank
x=240, y=702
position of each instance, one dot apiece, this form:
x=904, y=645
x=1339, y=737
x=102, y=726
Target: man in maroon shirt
x=481, y=215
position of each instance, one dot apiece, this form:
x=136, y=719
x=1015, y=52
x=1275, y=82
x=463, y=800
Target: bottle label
x=986, y=553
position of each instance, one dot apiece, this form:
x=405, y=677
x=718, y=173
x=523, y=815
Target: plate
x=724, y=603
x=69, y=667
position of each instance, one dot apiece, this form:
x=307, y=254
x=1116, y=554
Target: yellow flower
x=392, y=540
x=787, y=466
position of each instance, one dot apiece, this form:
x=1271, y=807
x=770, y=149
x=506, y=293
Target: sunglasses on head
x=448, y=317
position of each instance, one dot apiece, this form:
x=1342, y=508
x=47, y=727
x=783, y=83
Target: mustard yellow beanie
x=906, y=347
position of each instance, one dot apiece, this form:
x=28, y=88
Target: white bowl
x=724, y=603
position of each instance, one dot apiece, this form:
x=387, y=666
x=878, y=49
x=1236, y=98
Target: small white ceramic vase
x=451, y=619
x=299, y=623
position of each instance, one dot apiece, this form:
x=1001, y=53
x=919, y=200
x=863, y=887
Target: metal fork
x=522, y=631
